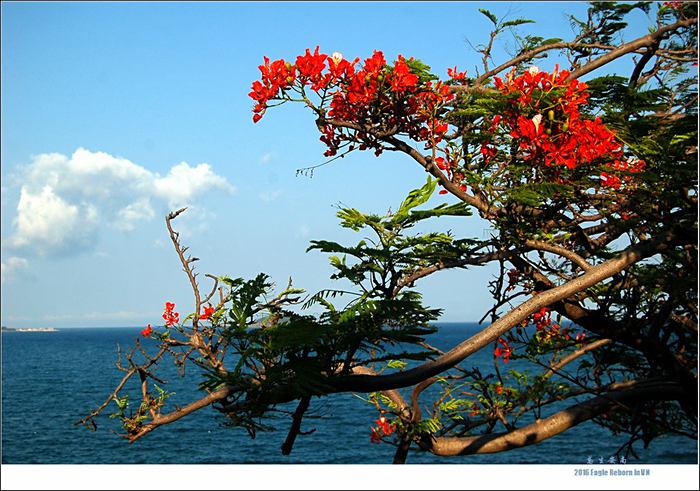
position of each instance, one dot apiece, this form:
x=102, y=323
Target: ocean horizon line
x=141, y=326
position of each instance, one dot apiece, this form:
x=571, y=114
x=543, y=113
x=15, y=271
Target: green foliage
x=537, y=194
x=419, y=68
x=278, y=353
x=122, y=405
x=490, y=16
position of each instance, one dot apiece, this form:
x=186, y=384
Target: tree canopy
x=590, y=190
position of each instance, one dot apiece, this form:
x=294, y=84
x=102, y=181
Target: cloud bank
x=11, y=265
x=64, y=200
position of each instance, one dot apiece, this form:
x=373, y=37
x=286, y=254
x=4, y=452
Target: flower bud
x=537, y=120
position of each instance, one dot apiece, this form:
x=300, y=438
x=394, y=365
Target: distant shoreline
x=29, y=329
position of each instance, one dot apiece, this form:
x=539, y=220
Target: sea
x=50, y=380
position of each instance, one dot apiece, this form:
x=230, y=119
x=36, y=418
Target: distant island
x=29, y=329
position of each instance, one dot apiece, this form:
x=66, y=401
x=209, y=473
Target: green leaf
x=397, y=364
x=419, y=68
x=415, y=198
x=517, y=22
x=491, y=17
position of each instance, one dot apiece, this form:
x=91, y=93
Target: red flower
x=376, y=95
x=455, y=75
x=610, y=181
x=171, y=318
x=208, y=311
x=505, y=351
x=475, y=409
x=384, y=428
x=310, y=67
x=402, y=79
x=562, y=139
x=147, y=331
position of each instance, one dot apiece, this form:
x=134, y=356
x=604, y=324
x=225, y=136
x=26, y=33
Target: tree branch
x=576, y=354
x=296, y=425
x=644, y=41
x=172, y=416
x=185, y=263
x=596, y=274
x=560, y=251
x=543, y=429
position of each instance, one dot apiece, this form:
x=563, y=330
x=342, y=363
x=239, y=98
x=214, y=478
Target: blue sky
x=115, y=113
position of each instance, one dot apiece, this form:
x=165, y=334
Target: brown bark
x=596, y=274
x=543, y=429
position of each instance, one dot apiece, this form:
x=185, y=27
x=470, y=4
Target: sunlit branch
x=561, y=251
x=622, y=394
x=631, y=255
x=644, y=41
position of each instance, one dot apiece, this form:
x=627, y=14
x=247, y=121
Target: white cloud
x=134, y=212
x=10, y=266
x=183, y=182
x=65, y=200
x=49, y=224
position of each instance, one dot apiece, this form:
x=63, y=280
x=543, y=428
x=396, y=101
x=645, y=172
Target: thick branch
x=170, y=417
x=644, y=41
x=460, y=263
x=560, y=251
x=596, y=274
x=433, y=169
x=543, y=429
x=296, y=425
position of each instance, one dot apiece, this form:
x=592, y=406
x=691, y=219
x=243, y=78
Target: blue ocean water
x=51, y=380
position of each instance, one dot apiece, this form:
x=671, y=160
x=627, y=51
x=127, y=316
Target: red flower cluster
x=506, y=350
x=622, y=170
x=451, y=168
x=387, y=98
x=547, y=331
x=171, y=318
x=544, y=118
x=147, y=331
x=276, y=76
x=476, y=409
x=674, y=5
x=457, y=76
x=383, y=428
x=542, y=318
